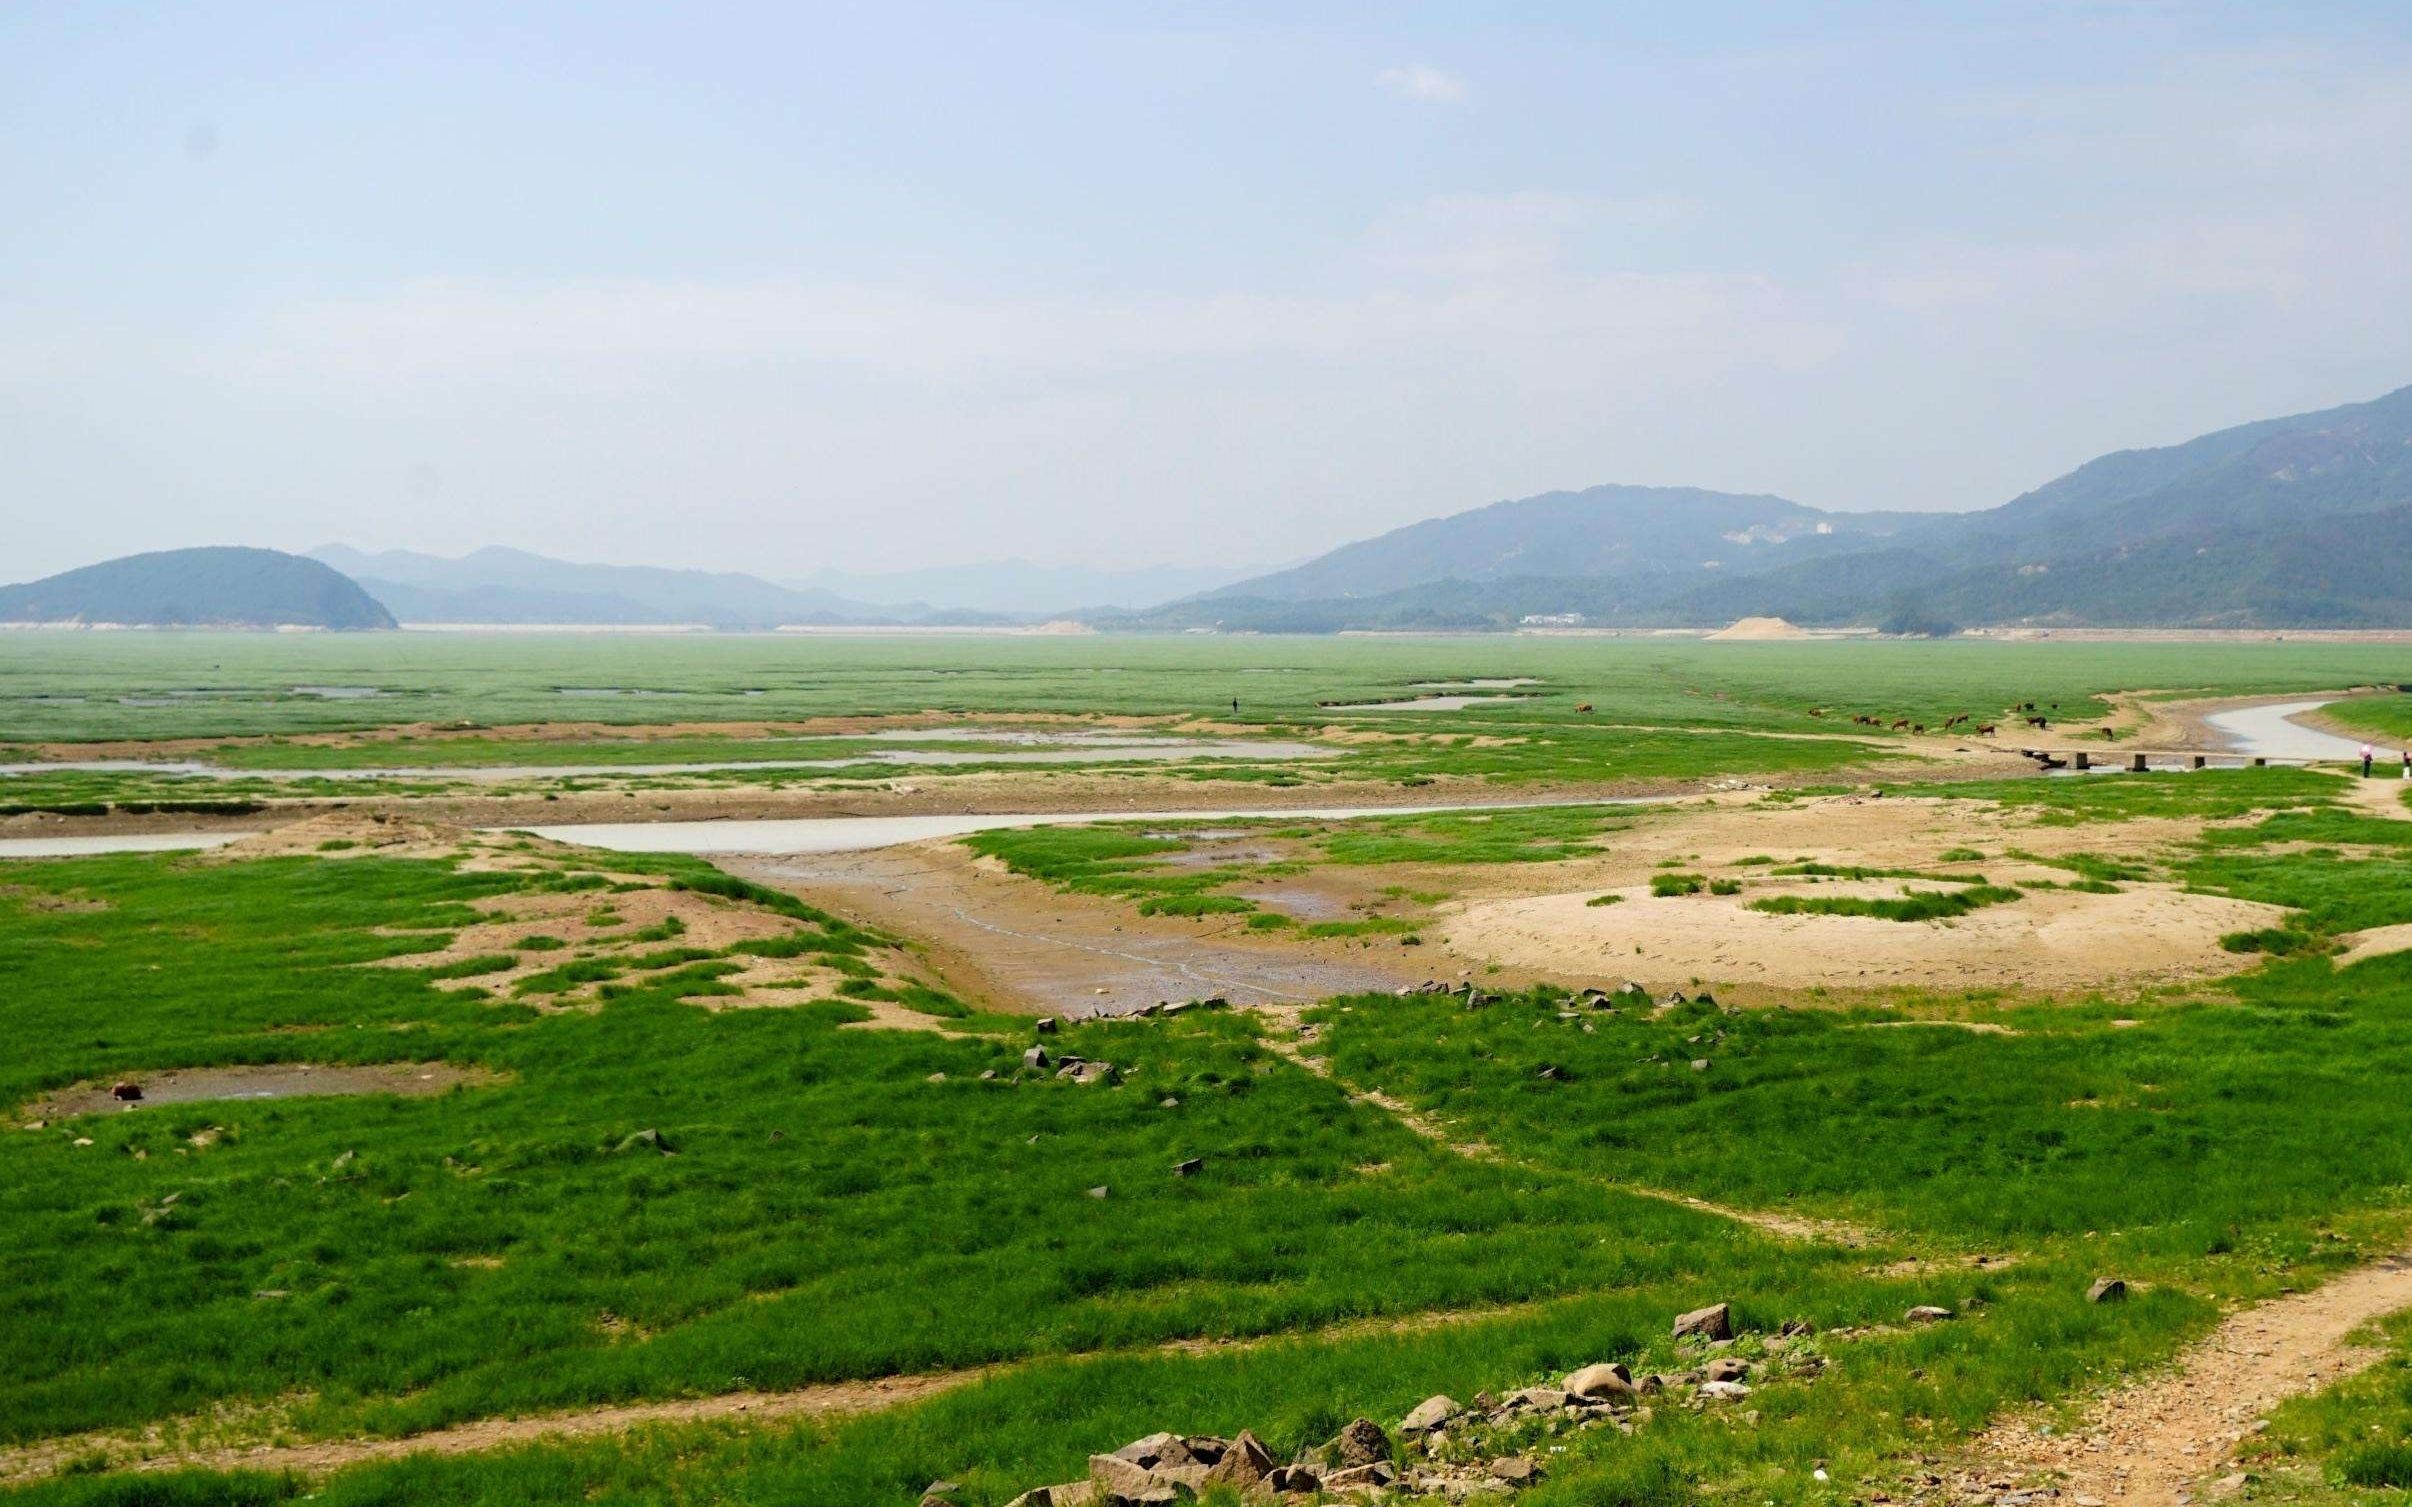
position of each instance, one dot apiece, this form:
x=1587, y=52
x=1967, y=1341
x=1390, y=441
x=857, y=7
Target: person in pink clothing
x=2365, y=761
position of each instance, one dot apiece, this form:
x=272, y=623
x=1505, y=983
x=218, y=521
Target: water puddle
x=1144, y=751
x=1428, y=704
x=2269, y=731
x=855, y=834
x=1478, y=683
x=116, y=842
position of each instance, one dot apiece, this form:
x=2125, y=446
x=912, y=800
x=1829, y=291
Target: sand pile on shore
x=1758, y=628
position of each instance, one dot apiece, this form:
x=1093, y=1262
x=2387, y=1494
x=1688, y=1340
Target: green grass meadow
x=821, y=1204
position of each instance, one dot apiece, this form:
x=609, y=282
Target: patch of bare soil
x=2050, y=940
x=2147, y=1444
x=2380, y=797
x=1018, y=944
x=1756, y=629
x=2377, y=942
x=280, y=1080
x=1534, y=917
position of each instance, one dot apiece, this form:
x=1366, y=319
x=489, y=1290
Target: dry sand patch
x=2377, y=942
x=276, y=1080
x=2048, y=940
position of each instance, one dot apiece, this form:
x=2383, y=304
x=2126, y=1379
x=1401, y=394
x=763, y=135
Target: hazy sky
x=782, y=286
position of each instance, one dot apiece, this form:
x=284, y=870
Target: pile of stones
x=1444, y=1451
x=1626, y=994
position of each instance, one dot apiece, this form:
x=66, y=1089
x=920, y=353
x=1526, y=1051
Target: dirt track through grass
x=1283, y=1039
x=2146, y=1444
x=833, y=1400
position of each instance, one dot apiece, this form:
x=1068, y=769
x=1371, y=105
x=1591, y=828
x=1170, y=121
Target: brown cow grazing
x=2039, y=722
x=1899, y=724
x=1586, y=706
x=1985, y=729
x=1917, y=727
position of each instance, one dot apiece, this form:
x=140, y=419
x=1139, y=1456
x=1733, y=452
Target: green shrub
x=1913, y=905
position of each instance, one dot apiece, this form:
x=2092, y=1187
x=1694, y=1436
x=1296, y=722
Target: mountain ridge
x=212, y=586
x=2257, y=520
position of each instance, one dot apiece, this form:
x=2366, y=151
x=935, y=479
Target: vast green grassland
x=79, y=686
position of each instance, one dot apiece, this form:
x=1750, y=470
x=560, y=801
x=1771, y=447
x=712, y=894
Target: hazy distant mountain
x=497, y=585
x=216, y=587
x=1605, y=531
x=1017, y=586
x=2300, y=521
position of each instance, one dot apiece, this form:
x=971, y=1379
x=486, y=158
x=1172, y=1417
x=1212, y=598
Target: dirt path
x=153, y=1451
x=1284, y=1040
x=1017, y=943
x=2379, y=797
x=35, y=1461
x=2148, y=1444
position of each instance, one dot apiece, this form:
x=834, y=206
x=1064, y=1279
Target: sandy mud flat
x=278, y=1080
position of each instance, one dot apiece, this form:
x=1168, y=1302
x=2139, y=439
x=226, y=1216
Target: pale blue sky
x=777, y=287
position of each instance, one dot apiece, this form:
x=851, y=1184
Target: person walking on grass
x=2365, y=761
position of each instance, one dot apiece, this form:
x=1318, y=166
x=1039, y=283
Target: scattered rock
x=1534, y=1400
x=1100, y=1191
x=1246, y=1463
x=1608, y=1380
x=1044, y=1025
x=1374, y=1475
x=1721, y=1391
x=1120, y=1483
x=1515, y=1470
x=1727, y=1368
x=1552, y=1073
x=1927, y=1313
x=1700, y=1064
x=1433, y=1412
x=2107, y=1290
x=1362, y=1442
x=649, y=1138
x=1287, y=1479
x=1715, y=1322
x=1190, y=1168
x=1147, y=1453
x=1037, y=1057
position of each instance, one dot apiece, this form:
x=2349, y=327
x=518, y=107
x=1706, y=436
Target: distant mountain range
x=513, y=587
x=1018, y=586
x=217, y=587
x=2294, y=522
